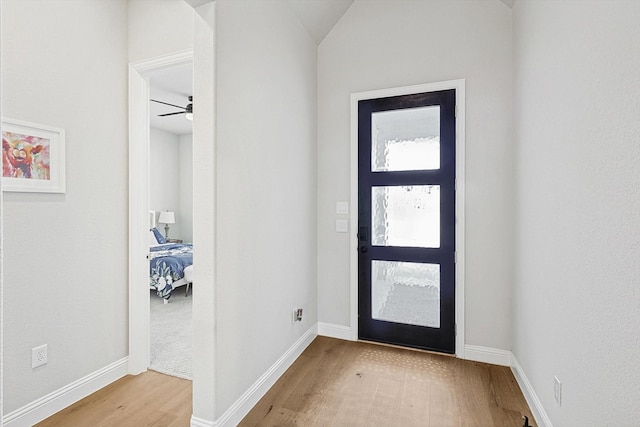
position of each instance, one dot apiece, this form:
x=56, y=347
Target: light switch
x=342, y=208
x=342, y=226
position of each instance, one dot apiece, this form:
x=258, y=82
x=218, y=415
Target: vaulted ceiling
x=319, y=16
x=174, y=85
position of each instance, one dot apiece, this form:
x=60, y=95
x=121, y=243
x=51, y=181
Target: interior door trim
x=459, y=86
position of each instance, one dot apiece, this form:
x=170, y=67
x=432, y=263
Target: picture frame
x=33, y=157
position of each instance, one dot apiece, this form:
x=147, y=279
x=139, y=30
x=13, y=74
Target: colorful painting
x=32, y=157
x=25, y=156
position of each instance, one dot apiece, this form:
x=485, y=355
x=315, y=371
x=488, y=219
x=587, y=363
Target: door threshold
x=401, y=347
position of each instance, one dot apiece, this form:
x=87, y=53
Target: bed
x=170, y=264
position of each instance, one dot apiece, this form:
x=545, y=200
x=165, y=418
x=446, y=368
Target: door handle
x=364, y=249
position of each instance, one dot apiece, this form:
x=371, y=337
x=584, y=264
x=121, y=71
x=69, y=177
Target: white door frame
x=459, y=86
x=139, y=311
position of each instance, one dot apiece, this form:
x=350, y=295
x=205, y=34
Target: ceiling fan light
x=189, y=116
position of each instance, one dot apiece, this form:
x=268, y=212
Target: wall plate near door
x=557, y=390
x=39, y=356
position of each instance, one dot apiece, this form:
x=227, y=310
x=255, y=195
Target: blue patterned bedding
x=166, y=266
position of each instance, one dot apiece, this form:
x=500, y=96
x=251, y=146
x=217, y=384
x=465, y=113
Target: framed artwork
x=32, y=157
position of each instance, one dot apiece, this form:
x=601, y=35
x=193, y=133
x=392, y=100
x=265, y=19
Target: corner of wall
x=251, y=396
x=529, y=393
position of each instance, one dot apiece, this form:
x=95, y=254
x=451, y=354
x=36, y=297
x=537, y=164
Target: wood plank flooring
x=148, y=399
x=334, y=383
x=342, y=383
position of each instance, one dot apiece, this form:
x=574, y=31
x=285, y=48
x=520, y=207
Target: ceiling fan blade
x=166, y=103
x=171, y=114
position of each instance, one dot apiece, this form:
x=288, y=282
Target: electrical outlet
x=297, y=315
x=557, y=390
x=38, y=356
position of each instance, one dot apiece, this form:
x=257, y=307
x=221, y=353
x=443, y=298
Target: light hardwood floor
x=148, y=399
x=342, y=383
x=333, y=383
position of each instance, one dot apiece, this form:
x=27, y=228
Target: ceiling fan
x=187, y=111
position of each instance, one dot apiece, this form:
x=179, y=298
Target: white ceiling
x=319, y=16
x=197, y=3
x=173, y=85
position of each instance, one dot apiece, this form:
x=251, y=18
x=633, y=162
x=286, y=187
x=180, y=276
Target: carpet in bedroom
x=171, y=334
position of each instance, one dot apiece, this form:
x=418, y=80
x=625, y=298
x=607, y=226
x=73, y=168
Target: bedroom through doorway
x=171, y=220
x=160, y=194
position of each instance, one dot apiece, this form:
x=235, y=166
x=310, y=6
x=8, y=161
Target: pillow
x=159, y=237
x=152, y=239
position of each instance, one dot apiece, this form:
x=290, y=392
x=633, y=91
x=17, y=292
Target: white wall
x=159, y=27
x=265, y=192
x=65, y=255
x=577, y=289
x=171, y=178
x=383, y=44
x=204, y=211
x=164, y=175
x=186, y=187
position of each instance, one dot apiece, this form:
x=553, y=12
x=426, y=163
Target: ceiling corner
x=197, y=3
x=319, y=16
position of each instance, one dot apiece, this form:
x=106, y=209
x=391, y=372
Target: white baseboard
x=247, y=401
x=335, y=331
x=506, y=358
x=199, y=422
x=56, y=401
x=487, y=355
x=542, y=419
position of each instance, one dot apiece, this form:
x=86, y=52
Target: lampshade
x=167, y=217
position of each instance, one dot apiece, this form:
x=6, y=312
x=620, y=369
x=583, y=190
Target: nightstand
x=174, y=240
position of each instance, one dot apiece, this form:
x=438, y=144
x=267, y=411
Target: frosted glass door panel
x=406, y=292
x=405, y=140
x=406, y=216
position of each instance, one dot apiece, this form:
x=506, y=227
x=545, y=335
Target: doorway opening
x=167, y=195
x=407, y=189
x=171, y=219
